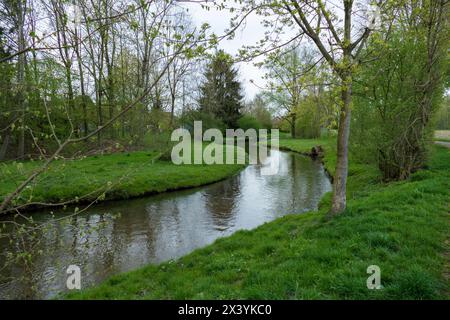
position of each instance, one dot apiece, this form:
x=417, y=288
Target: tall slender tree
x=330, y=26
x=221, y=91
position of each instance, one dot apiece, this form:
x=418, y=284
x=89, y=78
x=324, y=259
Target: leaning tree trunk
x=340, y=178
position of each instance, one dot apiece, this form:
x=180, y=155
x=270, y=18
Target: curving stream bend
x=161, y=227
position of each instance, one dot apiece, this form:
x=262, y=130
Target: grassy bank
x=105, y=177
x=304, y=146
x=362, y=177
x=401, y=227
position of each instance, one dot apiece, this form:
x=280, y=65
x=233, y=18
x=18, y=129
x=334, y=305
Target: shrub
x=249, y=122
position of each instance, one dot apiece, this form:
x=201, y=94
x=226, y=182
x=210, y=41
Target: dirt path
x=443, y=143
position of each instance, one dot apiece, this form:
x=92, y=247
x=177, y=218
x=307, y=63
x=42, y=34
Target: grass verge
x=401, y=227
x=106, y=177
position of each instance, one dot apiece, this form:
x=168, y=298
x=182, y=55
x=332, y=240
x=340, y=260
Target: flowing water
x=119, y=236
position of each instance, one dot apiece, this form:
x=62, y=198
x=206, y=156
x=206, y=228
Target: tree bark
x=339, y=201
x=5, y=145
x=20, y=76
x=61, y=26
x=82, y=85
x=293, y=120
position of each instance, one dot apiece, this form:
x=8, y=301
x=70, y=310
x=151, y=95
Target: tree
x=221, y=91
x=258, y=108
x=305, y=14
x=14, y=12
x=400, y=90
x=293, y=74
x=108, y=43
x=6, y=96
x=286, y=75
x=329, y=26
x=181, y=67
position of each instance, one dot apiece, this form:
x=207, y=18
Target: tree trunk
x=61, y=25
x=293, y=120
x=109, y=60
x=340, y=178
x=5, y=145
x=21, y=78
x=339, y=201
x=83, y=92
x=172, y=105
x=99, y=109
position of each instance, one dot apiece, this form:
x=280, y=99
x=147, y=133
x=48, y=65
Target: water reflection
x=162, y=227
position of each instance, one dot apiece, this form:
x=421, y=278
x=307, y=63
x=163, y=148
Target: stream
x=118, y=236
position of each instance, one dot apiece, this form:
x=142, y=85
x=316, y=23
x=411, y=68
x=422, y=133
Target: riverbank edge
x=121, y=194
x=326, y=167
x=119, y=286
x=327, y=159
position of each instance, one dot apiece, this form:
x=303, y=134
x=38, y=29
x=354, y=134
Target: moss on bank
x=401, y=227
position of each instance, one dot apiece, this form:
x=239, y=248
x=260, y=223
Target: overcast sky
x=246, y=35
x=254, y=31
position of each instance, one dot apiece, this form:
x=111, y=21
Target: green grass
x=114, y=176
x=401, y=227
x=304, y=146
x=363, y=177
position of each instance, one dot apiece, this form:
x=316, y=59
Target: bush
x=208, y=121
x=249, y=122
x=393, y=105
x=309, y=120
